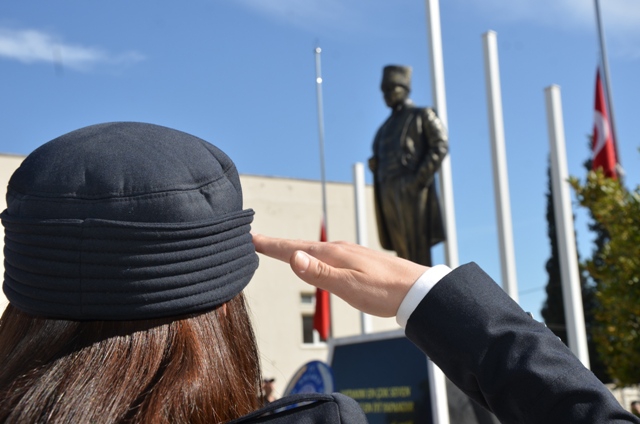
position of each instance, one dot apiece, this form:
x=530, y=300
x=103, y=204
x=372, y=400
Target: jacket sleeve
x=504, y=359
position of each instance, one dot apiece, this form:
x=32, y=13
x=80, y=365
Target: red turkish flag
x=604, y=152
x=322, y=316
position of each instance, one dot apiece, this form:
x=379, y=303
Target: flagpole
x=366, y=326
x=317, y=51
x=499, y=159
x=607, y=84
x=437, y=381
x=571, y=291
x=325, y=221
x=439, y=97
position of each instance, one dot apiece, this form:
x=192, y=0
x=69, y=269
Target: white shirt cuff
x=418, y=291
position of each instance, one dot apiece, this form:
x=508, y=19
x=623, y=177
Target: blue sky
x=241, y=74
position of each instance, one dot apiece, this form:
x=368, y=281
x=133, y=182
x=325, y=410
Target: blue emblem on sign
x=313, y=377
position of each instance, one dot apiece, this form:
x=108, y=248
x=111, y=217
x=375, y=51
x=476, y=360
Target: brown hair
x=193, y=369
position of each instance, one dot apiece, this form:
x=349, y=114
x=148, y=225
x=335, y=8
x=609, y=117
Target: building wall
x=293, y=209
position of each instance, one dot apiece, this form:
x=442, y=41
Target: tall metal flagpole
x=437, y=382
x=317, y=51
x=607, y=84
x=325, y=221
x=366, y=325
x=499, y=159
x=571, y=291
x=440, y=104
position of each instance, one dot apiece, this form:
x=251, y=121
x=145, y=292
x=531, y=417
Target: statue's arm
x=373, y=160
x=373, y=163
x=436, y=146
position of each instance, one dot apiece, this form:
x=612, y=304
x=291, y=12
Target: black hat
x=123, y=221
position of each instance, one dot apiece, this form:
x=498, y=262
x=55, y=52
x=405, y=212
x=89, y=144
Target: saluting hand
x=371, y=281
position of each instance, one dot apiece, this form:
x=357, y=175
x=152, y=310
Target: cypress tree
x=553, y=308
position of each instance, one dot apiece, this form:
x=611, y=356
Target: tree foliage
x=553, y=310
x=616, y=269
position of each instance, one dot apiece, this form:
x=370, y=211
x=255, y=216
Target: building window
x=307, y=298
x=308, y=334
x=307, y=306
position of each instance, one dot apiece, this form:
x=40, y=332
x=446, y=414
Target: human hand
x=371, y=281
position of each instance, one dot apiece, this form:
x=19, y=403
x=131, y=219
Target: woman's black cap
x=123, y=221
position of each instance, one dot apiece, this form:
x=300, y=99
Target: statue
x=407, y=152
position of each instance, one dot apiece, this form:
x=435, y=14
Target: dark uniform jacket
x=505, y=360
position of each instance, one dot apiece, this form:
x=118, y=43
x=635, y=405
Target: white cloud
x=305, y=14
x=33, y=46
x=620, y=16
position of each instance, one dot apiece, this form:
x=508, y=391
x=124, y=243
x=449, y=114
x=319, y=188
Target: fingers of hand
x=314, y=271
x=354, y=287
x=300, y=262
x=335, y=253
x=280, y=249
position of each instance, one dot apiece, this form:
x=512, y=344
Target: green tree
x=589, y=298
x=616, y=269
x=553, y=308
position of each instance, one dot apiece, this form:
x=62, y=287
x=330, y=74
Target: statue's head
x=396, y=84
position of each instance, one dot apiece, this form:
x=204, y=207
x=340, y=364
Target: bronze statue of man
x=407, y=152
